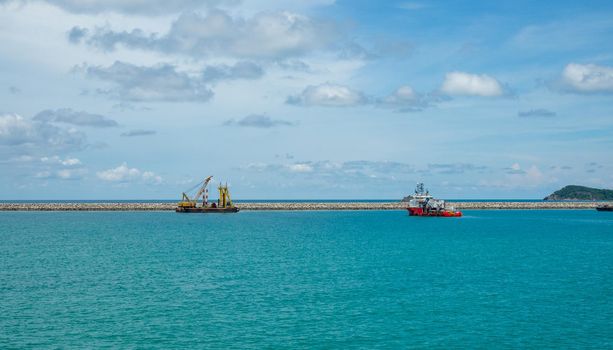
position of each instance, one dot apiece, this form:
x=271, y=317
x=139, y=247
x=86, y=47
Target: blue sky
x=304, y=99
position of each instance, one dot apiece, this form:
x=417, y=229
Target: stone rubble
x=293, y=206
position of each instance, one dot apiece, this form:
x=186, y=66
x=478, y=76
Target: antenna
x=419, y=189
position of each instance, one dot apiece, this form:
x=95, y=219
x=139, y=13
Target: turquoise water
x=380, y=279
x=238, y=201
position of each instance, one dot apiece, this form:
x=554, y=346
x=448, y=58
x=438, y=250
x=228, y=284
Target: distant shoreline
x=253, y=206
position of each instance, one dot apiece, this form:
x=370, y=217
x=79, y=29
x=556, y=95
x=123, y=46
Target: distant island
x=574, y=192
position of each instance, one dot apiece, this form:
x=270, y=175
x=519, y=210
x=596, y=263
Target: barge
x=605, y=207
x=193, y=205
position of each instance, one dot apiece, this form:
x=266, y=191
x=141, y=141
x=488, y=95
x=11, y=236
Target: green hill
x=574, y=192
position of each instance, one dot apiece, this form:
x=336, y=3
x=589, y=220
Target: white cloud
x=337, y=170
x=454, y=168
x=514, y=169
x=123, y=173
x=466, y=84
x=71, y=161
x=516, y=176
x=120, y=173
x=587, y=78
x=150, y=176
x=64, y=174
x=162, y=82
x=138, y=132
x=300, y=168
x=22, y=159
x=405, y=99
x=60, y=161
x=534, y=175
x=21, y=133
x=43, y=174
x=61, y=174
x=402, y=95
x=49, y=167
x=540, y=112
x=69, y=116
x=14, y=129
x=329, y=95
x=158, y=83
x=70, y=174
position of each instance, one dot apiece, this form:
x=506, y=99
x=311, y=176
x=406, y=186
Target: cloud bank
x=239, y=70
x=266, y=35
x=165, y=82
x=258, y=121
x=536, y=113
x=69, y=116
x=22, y=135
x=158, y=83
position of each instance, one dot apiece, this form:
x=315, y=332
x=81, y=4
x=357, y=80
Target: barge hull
x=208, y=210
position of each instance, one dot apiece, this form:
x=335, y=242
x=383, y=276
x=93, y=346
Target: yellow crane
x=186, y=202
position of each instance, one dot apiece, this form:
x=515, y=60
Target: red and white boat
x=423, y=204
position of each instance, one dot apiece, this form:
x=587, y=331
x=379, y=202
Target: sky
x=320, y=99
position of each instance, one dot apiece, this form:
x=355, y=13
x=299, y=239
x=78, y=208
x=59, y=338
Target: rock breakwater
x=292, y=206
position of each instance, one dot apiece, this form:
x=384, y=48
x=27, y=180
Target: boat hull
x=207, y=210
x=604, y=208
x=441, y=213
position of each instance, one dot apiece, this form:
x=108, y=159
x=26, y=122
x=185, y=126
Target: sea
x=538, y=279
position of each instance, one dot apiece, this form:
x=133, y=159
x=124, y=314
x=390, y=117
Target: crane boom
x=187, y=202
x=202, y=188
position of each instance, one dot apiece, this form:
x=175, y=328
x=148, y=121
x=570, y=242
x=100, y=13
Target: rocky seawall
x=293, y=206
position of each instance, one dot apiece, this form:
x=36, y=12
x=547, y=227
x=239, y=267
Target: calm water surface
x=380, y=279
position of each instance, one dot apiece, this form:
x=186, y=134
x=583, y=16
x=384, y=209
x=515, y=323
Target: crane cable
x=195, y=186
